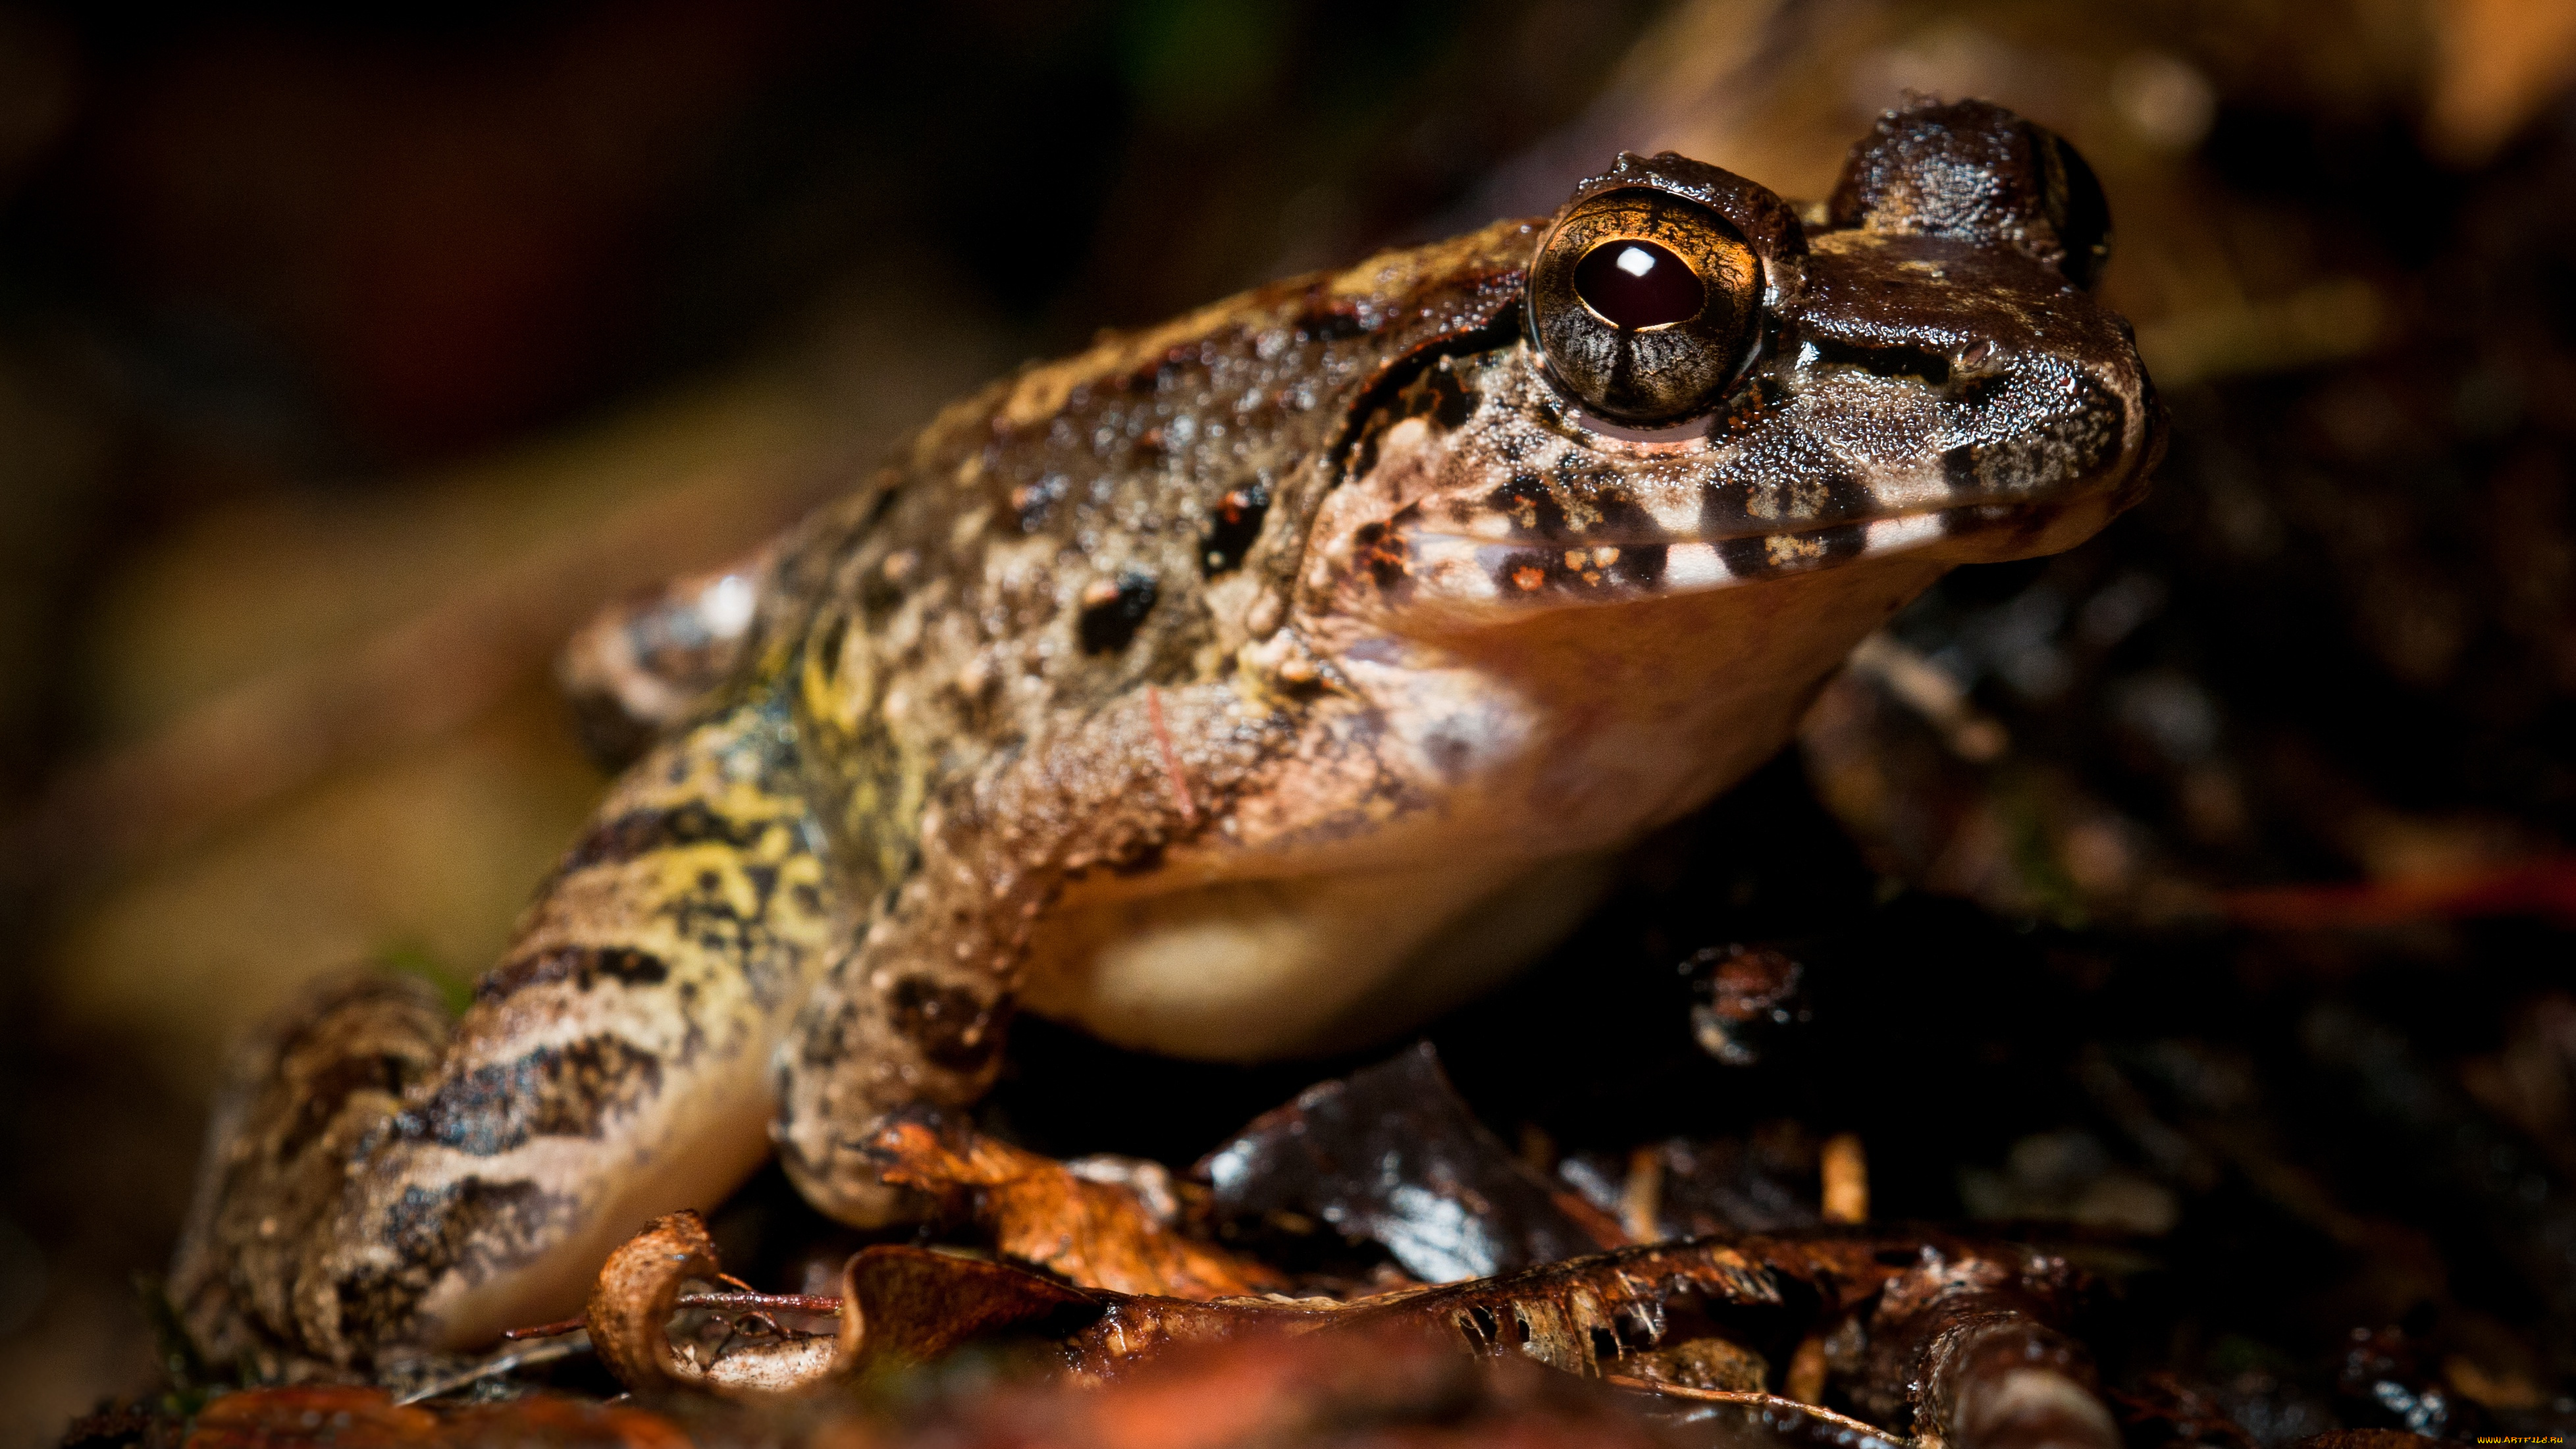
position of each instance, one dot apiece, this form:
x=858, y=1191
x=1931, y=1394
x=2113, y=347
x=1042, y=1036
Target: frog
x=1256, y=684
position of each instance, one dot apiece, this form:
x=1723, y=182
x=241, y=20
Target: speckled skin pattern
x=1263, y=681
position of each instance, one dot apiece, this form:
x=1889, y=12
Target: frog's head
x=1701, y=392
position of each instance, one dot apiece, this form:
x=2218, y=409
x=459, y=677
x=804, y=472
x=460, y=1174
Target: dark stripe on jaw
x=1842, y=541
x=1744, y=558
x=584, y=966
x=1640, y=566
x=572, y=1090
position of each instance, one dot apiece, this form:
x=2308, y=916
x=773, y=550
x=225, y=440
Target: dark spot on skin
x=1382, y=551
x=1450, y=402
x=1747, y=558
x=827, y=650
x=1750, y=408
x=1364, y=455
x=879, y=597
x=1532, y=508
x=573, y=1090
x=1640, y=565
x=641, y=832
x=1448, y=755
x=1236, y=527
x=1959, y=468
x=1958, y=521
x=1744, y=557
x=1109, y=622
x=1144, y=861
x=584, y=966
x=1845, y=495
x=1620, y=519
x=1528, y=571
x=1842, y=541
x=879, y=509
x=954, y=1027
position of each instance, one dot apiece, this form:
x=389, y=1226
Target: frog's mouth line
x=1606, y=566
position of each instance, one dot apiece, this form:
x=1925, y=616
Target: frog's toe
x=843, y=1181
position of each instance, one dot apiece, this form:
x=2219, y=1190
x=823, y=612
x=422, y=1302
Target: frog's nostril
x=1634, y=284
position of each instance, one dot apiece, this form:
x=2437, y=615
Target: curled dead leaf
x=629, y=1316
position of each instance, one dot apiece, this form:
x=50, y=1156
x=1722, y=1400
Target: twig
x=773, y=1302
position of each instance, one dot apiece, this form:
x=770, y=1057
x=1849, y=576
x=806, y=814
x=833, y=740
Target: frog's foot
x=298, y=1103
x=378, y=1177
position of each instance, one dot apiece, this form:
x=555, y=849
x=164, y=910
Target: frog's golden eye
x=1644, y=304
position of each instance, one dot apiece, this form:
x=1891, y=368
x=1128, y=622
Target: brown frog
x=1261, y=682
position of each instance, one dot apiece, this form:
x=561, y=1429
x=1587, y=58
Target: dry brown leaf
x=1097, y=1233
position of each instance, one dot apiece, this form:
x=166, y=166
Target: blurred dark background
x=348, y=360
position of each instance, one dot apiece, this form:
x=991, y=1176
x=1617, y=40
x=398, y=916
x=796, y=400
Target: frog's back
x=1125, y=518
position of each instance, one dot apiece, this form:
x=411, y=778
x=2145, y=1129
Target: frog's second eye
x=1643, y=303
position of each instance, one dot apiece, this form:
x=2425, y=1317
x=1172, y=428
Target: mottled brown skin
x=1260, y=682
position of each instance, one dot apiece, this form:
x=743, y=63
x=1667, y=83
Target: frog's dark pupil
x=1635, y=283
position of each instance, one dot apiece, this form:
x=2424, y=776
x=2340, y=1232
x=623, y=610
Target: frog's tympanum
x=1259, y=683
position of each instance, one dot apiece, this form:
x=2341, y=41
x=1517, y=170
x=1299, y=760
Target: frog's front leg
x=917, y=1012
x=376, y=1177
